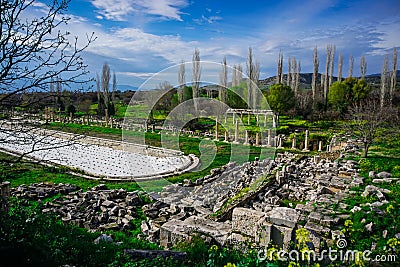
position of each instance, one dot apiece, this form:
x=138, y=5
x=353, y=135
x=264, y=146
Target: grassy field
x=384, y=156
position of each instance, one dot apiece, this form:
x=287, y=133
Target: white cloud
x=207, y=20
x=142, y=75
x=119, y=9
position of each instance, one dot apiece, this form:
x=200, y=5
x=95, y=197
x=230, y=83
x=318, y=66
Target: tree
x=384, y=80
x=393, y=79
x=351, y=66
x=280, y=98
x=253, y=74
x=234, y=76
x=340, y=67
x=71, y=110
x=105, y=100
x=239, y=74
x=315, y=76
x=363, y=67
x=339, y=95
x=368, y=121
x=351, y=90
x=34, y=53
x=223, y=82
x=166, y=101
x=181, y=82
x=289, y=74
x=84, y=106
x=279, y=76
x=360, y=90
x=196, y=78
x=297, y=77
x=328, y=72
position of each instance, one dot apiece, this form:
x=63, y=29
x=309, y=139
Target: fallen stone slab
x=284, y=216
x=247, y=221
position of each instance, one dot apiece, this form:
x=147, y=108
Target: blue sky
x=138, y=38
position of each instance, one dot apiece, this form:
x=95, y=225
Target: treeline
x=329, y=94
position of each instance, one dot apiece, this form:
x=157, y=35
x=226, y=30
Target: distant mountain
x=379, y=74
x=125, y=87
x=306, y=79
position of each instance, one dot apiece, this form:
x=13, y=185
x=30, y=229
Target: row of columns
x=257, y=116
x=278, y=139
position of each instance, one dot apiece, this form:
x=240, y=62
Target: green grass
x=28, y=173
x=188, y=145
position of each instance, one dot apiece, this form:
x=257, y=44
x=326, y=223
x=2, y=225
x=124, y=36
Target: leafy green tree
x=281, y=98
x=351, y=90
x=360, y=90
x=339, y=95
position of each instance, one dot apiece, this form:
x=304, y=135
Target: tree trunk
x=365, y=152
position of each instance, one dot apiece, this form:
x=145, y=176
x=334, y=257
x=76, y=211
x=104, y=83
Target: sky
x=139, y=38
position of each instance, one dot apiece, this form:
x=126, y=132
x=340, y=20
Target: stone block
x=171, y=233
x=247, y=221
x=282, y=235
x=284, y=216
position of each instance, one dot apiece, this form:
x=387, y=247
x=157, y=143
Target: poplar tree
x=196, y=78
x=181, y=82
x=315, y=76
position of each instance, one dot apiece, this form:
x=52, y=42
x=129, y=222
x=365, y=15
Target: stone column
x=280, y=142
x=106, y=112
x=236, y=132
x=274, y=121
x=225, y=117
x=306, y=142
x=257, y=139
x=59, y=114
x=248, y=118
x=246, y=140
x=53, y=115
x=294, y=142
x=70, y=117
x=226, y=137
x=328, y=148
x=320, y=146
x=265, y=120
x=112, y=121
x=233, y=118
x=269, y=138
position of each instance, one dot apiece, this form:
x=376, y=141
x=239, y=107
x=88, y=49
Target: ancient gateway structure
x=96, y=157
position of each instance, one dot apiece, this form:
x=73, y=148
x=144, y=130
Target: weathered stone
x=370, y=227
x=384, y=175
x=284, y=216
x=282, y=235
x=371, y=174
x=103, y=238
x=108, y=204
x=247, y=221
